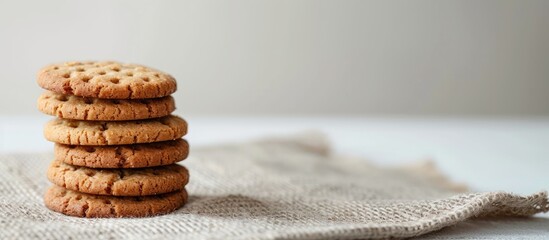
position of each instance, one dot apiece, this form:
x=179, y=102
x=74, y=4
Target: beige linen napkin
x=287, y=188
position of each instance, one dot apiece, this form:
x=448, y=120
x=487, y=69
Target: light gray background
x=297, y=57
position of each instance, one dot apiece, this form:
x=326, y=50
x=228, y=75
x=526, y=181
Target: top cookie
x=110, y=80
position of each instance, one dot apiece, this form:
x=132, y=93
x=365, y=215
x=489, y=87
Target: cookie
x=123, y=156
x=95, y=109
x=111, y=80
x=119, y=182
x=95, y=206
x=75, y=132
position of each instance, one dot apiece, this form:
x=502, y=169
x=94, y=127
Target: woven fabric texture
x=287, y=188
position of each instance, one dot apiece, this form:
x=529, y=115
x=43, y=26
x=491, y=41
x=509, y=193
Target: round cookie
x=111, y=80
x=119, y=182
x=95, y=109
x=75, y=132
x=123, y=156
x=93, y=206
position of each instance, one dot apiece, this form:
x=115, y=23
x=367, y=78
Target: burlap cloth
x=272, y=189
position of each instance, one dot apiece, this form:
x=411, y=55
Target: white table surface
x=486, y=154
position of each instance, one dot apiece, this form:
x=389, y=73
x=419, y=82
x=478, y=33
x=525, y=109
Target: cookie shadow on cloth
x=233, y=205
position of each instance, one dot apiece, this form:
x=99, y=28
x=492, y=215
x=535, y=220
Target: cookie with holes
x=95, y=109
x=110, y=80
x=76, y=132
x=119, y=182
x=123, y=156
x=97, y=206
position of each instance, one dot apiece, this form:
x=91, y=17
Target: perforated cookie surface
x=96, y=206
x=95, y=109
x=75, y=132
x=123, y=156
x=107, y=79
x=119, y=182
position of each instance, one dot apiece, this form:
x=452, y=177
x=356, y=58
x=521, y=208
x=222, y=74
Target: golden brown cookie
x=111, y=80
x=96, y=206
x=119, y=182
x=75, y=132
x=123, y=156
x=95, y=109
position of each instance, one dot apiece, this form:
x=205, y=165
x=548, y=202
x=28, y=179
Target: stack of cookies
x=116, y=142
